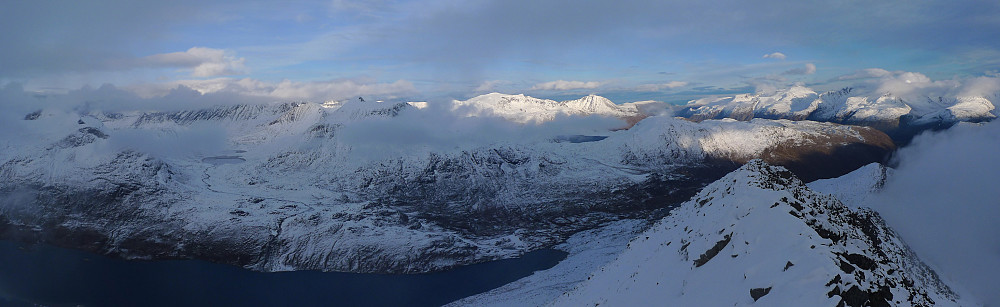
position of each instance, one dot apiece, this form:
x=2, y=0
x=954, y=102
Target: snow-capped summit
x=593, y=104
x=759, y=235
x=972, y=109
x=526, y=109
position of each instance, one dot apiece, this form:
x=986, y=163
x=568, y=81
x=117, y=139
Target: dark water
x=219, y=160
x=579, y=138
x=60, y=277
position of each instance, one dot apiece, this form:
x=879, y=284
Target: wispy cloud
x=490, y=85
x=660, y=86
x=808, y=69
x=775, y=55
x=310, y=91
x=203, y=62
x=563, y=85
x=866, y=73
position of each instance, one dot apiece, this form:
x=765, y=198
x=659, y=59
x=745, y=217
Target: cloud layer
x=661, y=86
x=286, y=90
x=563, y=85
x=943, y=201
x=204, y=62
x=808, y=69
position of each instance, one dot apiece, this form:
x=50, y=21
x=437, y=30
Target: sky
x=413, y=50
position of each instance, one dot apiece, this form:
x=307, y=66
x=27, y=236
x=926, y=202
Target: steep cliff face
x=759, y=235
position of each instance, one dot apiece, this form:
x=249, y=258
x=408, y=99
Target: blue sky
x=626, y=50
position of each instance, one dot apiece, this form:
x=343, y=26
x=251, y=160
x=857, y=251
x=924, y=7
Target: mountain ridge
x=759, y=235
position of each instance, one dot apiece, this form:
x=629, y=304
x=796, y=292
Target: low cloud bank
x=944, y=200
x=914, y=86
x=438, y=128
x=199, y=139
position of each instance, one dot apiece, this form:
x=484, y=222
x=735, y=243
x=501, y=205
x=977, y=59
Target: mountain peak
x=757, y=173
x=759, y=234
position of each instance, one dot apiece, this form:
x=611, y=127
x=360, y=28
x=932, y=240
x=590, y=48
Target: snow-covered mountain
x=366, y=187
x=761, y=236
x=891, y=113
x=527, y=109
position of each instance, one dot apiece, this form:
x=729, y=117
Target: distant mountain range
x=900, y=118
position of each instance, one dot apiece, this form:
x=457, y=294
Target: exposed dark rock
x=757, y=293
x=861, y=261
x=33, y=115
x=94, y=131
x=710, y=253
x=856, y=297
x=827, y=234
x=846, y=267
x=835, y=280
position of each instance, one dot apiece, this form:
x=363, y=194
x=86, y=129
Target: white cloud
x=866, y=73
x=943, y=201
x=981, y=86
x=328, y=90
x=203, y=62
x=910, y=85
x=809, y=69
x=490, y=85
x=563, y=85
x=292, y=90
x=917, y=87
x=775, y=55
x=660, y=86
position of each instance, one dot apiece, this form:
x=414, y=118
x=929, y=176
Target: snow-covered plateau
x=376, y=186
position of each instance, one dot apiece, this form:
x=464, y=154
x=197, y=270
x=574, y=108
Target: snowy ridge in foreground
x=759, y=235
